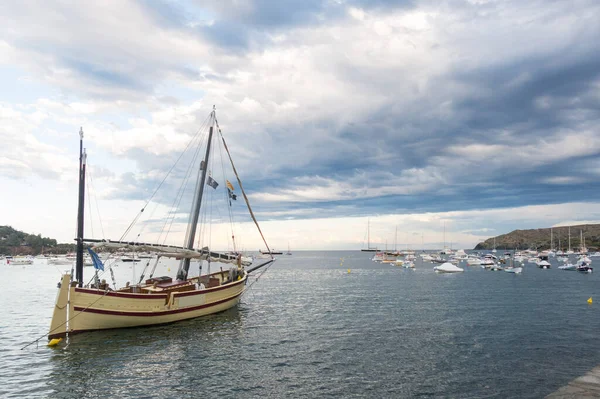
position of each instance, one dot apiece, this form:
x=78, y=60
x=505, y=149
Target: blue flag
x=212, y=182
x=96, y=260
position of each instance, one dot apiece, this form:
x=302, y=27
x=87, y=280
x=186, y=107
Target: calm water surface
x=308, y=328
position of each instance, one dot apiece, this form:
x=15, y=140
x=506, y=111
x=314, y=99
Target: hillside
x=15, y=242
x=540, y=238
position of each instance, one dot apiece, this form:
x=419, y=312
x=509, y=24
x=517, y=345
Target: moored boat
x=447, y=268
x=152, y=300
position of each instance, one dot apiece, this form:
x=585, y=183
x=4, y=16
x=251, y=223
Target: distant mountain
x=540, y=238
x=15, y=242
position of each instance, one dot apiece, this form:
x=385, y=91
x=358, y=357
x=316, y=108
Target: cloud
x=343, y=109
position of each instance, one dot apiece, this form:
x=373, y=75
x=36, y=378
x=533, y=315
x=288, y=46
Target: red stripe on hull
x=119, y=294
x=151, y=314
x=208, y=290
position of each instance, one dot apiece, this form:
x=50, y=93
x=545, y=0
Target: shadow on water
x=141, y=362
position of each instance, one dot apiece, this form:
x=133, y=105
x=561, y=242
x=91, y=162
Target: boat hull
x=93, y=309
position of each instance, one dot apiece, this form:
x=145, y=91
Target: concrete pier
x=587, y=386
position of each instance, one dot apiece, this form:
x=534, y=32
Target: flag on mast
x=212, y=182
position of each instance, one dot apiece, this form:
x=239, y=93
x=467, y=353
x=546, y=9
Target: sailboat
x=154, y=300
x=288, y=251
x=368, y=248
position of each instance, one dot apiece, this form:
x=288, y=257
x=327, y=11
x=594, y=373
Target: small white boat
x=473, y=261
x=60, y=260
x=543, y=264
x=486, y=263
x=568, y=267
x=19, y=260
x=584, y=259
x=516, y=270
x=447, y=268
x=408, y=265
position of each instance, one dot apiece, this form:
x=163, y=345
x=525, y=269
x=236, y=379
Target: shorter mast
x=80, y=210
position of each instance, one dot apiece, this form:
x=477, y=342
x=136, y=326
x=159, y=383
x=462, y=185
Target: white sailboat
x=570, y=251
x=153, y=300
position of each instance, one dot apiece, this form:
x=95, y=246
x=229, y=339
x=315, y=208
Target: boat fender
x=54, y=342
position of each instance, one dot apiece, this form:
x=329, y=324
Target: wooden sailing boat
x=155, y=300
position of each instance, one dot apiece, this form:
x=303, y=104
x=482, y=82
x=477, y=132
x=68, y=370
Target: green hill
x=15, y=242
x=540, y=238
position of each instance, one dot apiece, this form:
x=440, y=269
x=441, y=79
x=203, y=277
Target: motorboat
x=543, y=264
x=516, y=270
x=568, y=267
x=473, y=261
x=447, y=268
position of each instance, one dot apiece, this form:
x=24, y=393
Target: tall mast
x=368, y=233
x=184, y=266
x=551, y=239
x=569, y=238
x=396, y=239
x=79, y=258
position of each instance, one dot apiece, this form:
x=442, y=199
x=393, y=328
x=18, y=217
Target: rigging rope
x=181, y=191
x=68, y=320
x=159, y=186
x=242, y=188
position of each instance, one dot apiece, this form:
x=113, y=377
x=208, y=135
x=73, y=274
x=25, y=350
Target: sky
x=405, y=123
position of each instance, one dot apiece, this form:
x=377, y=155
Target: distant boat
x=129, y=259
x=19, y=260
x=368, y=248
x=288, y=251
x=447, y=268
x=543, y=264
x=516, y=270
x=568, y=267
x=272, y=252
x=585, y=269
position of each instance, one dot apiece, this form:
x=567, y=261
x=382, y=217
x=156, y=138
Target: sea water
x=319, y=324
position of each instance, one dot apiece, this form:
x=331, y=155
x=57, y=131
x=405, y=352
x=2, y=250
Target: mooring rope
x=66, y=321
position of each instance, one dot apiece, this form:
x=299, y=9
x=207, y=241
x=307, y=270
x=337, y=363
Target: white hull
x=516, y=270
x=18, y=262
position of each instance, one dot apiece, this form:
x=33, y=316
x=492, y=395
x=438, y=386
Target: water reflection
x=140, y=362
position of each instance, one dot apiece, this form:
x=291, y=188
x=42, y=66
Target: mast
x=444, y=236
x=184, y=266
x=569, y=238
x=79, y=257
x=551, y=240
x=368, y=233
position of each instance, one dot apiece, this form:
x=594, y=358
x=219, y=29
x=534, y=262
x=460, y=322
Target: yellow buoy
x=590, y=300
x=348, y=270
x=169, y=269
x=54, y=341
